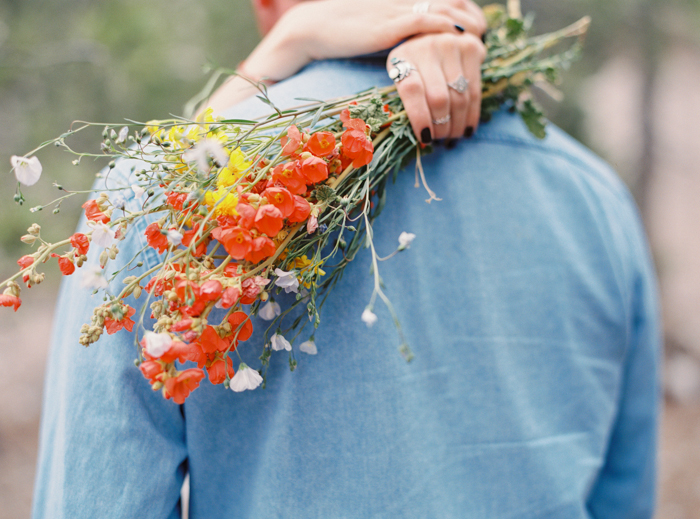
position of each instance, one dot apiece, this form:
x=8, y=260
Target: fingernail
x=469, y=132
x=425, y=136
x=459, y=28
x=450, y=143
x=483, y=38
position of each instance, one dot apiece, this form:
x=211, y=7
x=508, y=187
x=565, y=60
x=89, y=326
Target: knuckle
x=438, y=101
x=410, y=87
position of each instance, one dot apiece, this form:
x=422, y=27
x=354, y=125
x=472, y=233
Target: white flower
x=309, y=347
x=138, y=190
x=245, y=378
x=93, y=278
x=369, y=317
x=279, y=343
x=405, y=240
x=287, y=280
x=27, y=170
x=102, y=235
x=270, y=311
x=203, y=150
x=156, y=344
x=174, y=237
x=123, y=134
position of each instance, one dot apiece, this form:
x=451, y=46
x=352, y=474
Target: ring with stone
x=421, y=7
x=460, y=84
x=401, y=69
x=442, y=120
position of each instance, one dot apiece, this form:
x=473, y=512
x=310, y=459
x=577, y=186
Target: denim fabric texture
x=529, y=301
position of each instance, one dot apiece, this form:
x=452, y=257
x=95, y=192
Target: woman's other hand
x=436, y=109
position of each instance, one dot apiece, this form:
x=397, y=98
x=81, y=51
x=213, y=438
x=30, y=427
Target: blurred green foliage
x=107, y=60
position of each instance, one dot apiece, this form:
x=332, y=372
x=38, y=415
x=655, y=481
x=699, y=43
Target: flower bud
x=28, y=239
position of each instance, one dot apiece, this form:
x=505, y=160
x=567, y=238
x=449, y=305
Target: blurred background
x=633, y=98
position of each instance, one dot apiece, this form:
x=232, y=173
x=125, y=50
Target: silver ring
x=421, y=7
x=442, y=120
x=460, y=84
x=401, y=70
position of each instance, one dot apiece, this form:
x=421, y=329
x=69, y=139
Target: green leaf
x=533, y=118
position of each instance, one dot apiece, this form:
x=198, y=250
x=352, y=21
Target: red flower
x=176, y=200
x=281, y=198
x=211, y=342
x=314, y=170
x=263, y=247
x=188, y=236
x=181, y=325
x=211, y=290
x=247, y=215
x=250, y=291
x=8, y=300
x=352, y=124
x=25, y=261
x=156, y=238
x=268, y=220
x=290, y=176
x=180, y=387
x=190, y=294
x=302, y=209
x=291, y=141
x=229, y=297
x=183, y=352
x=151, y=370
x=241, y=319
x=65, y=264
x=357, y=147
x=80, y=242
x=236, y=240
x=114, y=325
x=217, y=370
x=94, y=213
x=321, y=144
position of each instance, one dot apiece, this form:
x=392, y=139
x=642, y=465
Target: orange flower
x=156, y=238
x=263, y=247
x=236, y=240
x=321, y=144
x=176, y=200
x=218, y=368
x=188, y=236
x=25, y=261
x=179, y=388
x=9, y=300
x=211, y=290
x=183, y=352
x=94, y=213
x=291, y=141
x=65, y=264
x=290, y=176
x=210, y=341
x=247, y=215
x=314, y=170
x=357, y=147
x=151, y=370
x=302, y=208
x=80, y=242
x=124, y=321
x=268, y=220
x=281, y=198
x=241, y=319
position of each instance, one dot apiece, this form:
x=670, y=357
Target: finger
x=478, y=16
x=473, y=53
x=412, y=93
x=437, y=96
x=411, y=24
x=459, y=101
x=464, y=20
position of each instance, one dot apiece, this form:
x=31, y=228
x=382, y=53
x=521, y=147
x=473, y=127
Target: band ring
x=401, y=69
x=421, y=7
x=442, y=120
x=460, y=84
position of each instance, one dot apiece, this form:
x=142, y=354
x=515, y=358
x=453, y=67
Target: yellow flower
x=226, y=201
x=304, y=264
x=234, y=170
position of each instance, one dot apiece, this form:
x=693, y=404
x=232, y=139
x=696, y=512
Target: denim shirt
x=528, y=298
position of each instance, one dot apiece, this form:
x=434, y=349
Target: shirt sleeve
x=109, y=445
x=626, y=484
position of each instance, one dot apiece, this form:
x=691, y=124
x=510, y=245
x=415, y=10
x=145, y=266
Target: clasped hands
x=438, y=43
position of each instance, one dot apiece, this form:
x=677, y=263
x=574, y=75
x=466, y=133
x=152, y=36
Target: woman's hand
x=436, y=110
x=326, y=29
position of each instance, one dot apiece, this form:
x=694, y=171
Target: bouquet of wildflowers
x=242, y=210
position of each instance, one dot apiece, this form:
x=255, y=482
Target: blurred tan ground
x=674, y=225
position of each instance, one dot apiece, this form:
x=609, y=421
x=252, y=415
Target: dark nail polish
x=425, y=136
x=450, y=143
x=469, y=132
x=459, y=28
x=483, y=38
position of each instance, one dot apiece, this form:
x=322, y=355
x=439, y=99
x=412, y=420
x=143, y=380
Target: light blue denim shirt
x=528, y=298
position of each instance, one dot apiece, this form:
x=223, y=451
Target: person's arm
x=328, y=29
